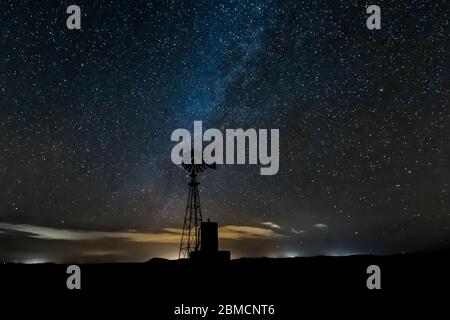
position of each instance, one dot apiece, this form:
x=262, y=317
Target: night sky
x=86, y=118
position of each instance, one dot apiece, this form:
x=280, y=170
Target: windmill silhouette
x=190, y=238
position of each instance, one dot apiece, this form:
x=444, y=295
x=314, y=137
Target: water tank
x=209, y=237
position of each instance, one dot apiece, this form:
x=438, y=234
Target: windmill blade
x=187, y=167
x=211, y=166
x=197, y=168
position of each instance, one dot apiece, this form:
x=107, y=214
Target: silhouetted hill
x=291, y=284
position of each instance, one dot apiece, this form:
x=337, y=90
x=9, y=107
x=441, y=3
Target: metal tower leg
x=190, y=238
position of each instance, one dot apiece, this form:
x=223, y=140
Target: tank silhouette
x=209, y=235
x=209, y=248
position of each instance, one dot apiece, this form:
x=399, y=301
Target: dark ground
x=296, y=286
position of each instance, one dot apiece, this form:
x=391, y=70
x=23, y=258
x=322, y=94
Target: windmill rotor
x=197, y=168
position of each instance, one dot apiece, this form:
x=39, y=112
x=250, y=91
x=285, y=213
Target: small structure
x=209, y=249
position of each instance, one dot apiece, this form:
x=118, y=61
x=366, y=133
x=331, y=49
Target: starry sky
x=86, y=117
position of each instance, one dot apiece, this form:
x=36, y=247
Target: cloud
x=321, y=226
x=295, y=231
x=246, y=232
x=49, y=233
x=167, y=235
x=271, y=224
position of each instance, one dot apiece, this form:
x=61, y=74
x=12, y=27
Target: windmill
x=190, y=238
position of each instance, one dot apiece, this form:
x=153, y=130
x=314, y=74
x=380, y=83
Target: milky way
x=86, y=118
